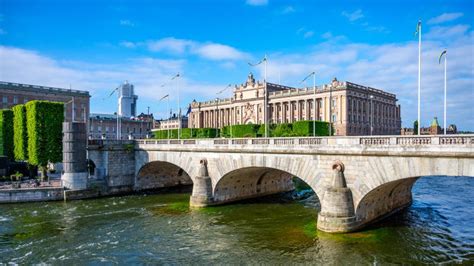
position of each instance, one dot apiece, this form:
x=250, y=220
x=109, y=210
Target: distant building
x=433, y=129
x=127, y=100
x=106, y=126
x=171, y=123
x=352, y=108
x=12, y=94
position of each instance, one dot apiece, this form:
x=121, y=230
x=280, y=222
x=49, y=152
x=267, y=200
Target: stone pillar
x=337, y=208
x=74, y=155
x=202, y=188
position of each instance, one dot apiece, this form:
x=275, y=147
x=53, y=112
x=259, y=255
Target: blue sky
x=96, y=45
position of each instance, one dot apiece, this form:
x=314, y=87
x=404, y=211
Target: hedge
x=241, y=131
x=20, y=133
x=305, y=128
x=300, y=128
x=44, y=126
x=186, y=133
x=6, y=133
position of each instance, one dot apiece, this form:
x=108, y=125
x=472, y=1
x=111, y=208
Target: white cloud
x=256, y=2
x=127, y=23
x=146, y=73
x=215, y=51
x=308, y=34
x=288, y=10
x=353, y=16
x=211, y=51
x=173, y=45
x=445, y=17
x=438, y=32
x=128, y=44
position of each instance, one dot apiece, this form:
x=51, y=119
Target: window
x=333, y=118
x=107, y=129
x=5, y=99
x=15, y=99
x=100, y=128
x=25, y=100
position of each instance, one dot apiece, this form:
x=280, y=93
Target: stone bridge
x=358, y=180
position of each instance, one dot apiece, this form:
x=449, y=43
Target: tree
x=6, y=133
x=20, y=134
x=415, y=127
x=44, y=126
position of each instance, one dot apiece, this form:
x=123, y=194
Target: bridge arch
x=161, y=174
x=252, y=182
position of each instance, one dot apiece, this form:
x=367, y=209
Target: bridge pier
x=202, y=188
x=337, y=207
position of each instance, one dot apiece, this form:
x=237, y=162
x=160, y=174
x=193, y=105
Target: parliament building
x=352, y=108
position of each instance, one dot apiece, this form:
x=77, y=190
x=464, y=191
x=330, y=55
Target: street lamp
x=217, y=117
x=217, y=99
x=371, y=115
x=314, y=100
x=179, y=108
x=168, y=98
x=265, y=93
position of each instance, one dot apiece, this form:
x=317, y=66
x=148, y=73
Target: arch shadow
x=161, y=174
x=253, y=182
x=388, y=199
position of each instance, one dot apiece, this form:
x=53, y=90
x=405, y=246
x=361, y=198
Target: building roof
x=43, y=89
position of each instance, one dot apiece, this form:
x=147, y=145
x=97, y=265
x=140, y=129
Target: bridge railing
x=295, y=141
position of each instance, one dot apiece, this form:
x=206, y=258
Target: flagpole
x=419, y=76
x=266, y=96
x=445, y=88
x=314, y=102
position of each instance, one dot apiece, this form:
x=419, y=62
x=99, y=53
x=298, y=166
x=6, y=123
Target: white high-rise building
x=127, y=100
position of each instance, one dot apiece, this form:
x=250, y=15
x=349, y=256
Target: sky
x=97, y=45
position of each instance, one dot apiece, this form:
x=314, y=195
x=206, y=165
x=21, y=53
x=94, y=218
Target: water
x=438, y=227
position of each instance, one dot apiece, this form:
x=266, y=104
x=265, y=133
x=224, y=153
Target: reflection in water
x=438, y=227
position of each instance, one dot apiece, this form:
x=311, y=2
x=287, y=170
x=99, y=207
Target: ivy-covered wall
x=6, y=133
x=20, y=134
x=44, y=127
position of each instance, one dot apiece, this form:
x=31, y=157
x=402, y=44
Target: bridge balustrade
x=366, y=141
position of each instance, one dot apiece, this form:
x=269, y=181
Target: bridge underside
x=159, y=174
x=251, y=182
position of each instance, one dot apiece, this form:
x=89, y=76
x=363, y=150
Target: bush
x=6, y=133
x=44, y=127
x=242, y=131
x=283, y=130
x=305, y=128
x=204, y=133
x=20, y=134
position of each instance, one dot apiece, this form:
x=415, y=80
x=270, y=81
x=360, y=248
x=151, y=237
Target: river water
x=437, y=228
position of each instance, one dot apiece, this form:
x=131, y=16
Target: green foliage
x=6, y=133
x=186, y=133
x=44, y=126
x=20, y=133
x=242, y=131
x=305, y=128
x=283, y=130
x=415, y=127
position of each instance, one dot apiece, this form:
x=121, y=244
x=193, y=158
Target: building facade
x=171, y=123
x=106, y=126
x=127, y=100
x=353, y=109
x=76, y=102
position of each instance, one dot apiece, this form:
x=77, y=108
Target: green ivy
x=44, y=126
x=6, y=133
x=20, y=134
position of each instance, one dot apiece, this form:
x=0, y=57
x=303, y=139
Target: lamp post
x=330, y=110
x=179, y=107
x=217, y=117
x=314, y=99
x=217, y=99
x=265, y=94
x=168, y=98
x=371, y=115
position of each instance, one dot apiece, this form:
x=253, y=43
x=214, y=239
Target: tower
x=127, y=100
